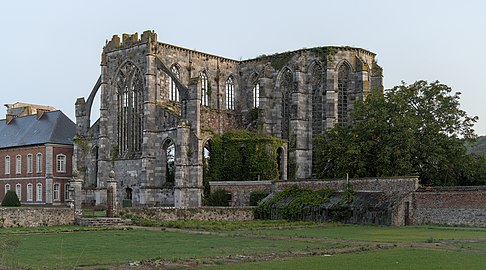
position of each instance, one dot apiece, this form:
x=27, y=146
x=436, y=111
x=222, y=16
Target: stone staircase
x=103, y=221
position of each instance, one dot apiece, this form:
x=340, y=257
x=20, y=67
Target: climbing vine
x=242, y=155
x=290, y=202
x=325, y=54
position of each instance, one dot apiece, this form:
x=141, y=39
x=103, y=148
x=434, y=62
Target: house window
x=230, y=94
x=30, y=192
x=18, y=164
x=38, y=163
x=204, y=89
x=66, y=191
x=56, y=194
x=61, y=163
x=29, y=163
x=343, y=85
x=130, y=86
x=256, y=95
x=7, y=188
x=18, y=190
x=7, y=165
x=38, y=193
x=173, y=91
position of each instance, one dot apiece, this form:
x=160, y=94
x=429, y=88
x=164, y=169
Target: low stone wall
x=35, y=216
x=403, y=185
x=203, y=213
x=459, y=206
x=240, y=190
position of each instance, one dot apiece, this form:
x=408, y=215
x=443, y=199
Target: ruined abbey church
x=160, y=105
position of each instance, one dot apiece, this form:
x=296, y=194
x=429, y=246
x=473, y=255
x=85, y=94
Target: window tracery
x=343, y=85
x=230, y=94
x=129, y=83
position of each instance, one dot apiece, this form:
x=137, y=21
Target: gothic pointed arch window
x=204, y=89
x=318, y=99
x=343, y=89
x=129, y=83
x=230, y=94
x=255, y=92
x=286, y=85
x=173, y=91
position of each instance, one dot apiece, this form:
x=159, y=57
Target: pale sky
x=50, y=50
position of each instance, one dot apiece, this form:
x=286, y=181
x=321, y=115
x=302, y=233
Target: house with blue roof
x=36, y=150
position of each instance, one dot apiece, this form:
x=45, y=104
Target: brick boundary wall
x=457, y=206
x=35, y=216
x=202, y=214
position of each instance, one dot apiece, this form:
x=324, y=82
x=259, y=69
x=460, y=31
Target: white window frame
x=61, y=163
x=30, y=192
x=38, y=163
x=38, y=192
x=7, y=188
x=18, y=190
x=7, y=165
x=56, y=192
x=18, y=164
x=30, y=163
x=66, y=191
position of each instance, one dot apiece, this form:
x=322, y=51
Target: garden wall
x=35, y=216
x=459, y=206
x=403, y=185
x=203, y=213
x=240, y=190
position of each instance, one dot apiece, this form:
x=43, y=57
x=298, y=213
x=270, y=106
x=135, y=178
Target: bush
x=257, y=196
x=218, y=198
x=11, y=199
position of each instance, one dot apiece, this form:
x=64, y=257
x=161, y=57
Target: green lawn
x=276, y=245
x=378, y=233
x=66, y=250
x=399, y=258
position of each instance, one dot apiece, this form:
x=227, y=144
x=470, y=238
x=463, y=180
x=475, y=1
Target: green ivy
x=291, y=202
x=82, y=144
x=243, y=155
x=325, y=54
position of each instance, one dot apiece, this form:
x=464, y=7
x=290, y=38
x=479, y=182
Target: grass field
x=244, y=245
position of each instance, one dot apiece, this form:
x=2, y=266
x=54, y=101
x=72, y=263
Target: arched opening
x=168, y=162
x=286, y=87
x=94, y=115
x=128, y=194
x=280, y=163
x=207, y=149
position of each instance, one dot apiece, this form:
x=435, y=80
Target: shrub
x=257, y=196
x=11, y=199
x=218, y=198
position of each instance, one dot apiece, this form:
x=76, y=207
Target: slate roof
x=53, y=127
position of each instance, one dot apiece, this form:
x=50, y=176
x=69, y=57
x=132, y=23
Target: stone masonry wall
x=404, y=185
x=35, y=216
x=203, y=213
x=457, y=206
x=240, y=190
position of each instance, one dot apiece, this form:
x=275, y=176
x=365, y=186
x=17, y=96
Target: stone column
x=111, y=200
x=76, y=184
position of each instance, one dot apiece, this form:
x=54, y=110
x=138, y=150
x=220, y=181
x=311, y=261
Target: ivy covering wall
x=242, y=156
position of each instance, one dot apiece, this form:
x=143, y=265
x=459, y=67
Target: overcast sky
x=50, y=50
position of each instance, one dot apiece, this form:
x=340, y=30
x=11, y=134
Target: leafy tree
x=10, y=199
x=410, y=129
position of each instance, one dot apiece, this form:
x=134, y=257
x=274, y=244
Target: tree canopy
x=416, y=129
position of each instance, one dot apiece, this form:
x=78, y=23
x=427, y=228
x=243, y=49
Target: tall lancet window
x=129, y=83
x=204, y=89
x=343, y=89
x=286, y=85
x=230, y=94
x=173, y=91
